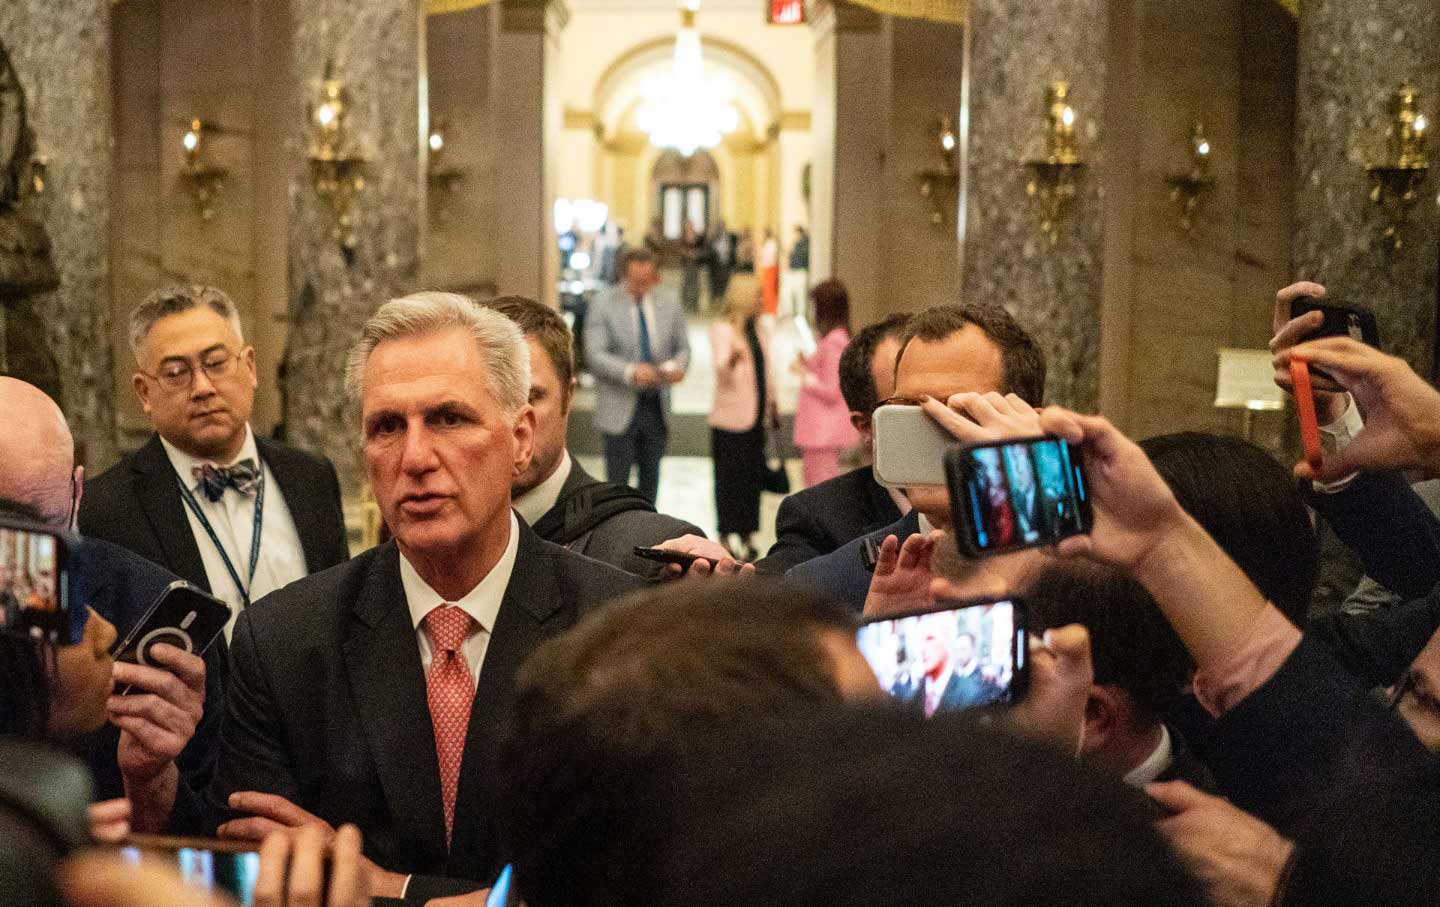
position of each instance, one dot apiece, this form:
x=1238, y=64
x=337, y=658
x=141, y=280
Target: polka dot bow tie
x=213, y=480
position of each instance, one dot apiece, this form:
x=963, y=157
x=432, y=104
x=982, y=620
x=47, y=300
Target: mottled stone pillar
x=1352, y=57
x=1019, y=47
x=375, y=46
x=524, y=102
x=61, y=50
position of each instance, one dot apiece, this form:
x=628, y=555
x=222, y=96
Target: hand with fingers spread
x=977, y=418
x=1330, y=400
x=293, y=870
x=1401, y=409
x=1238, y=858
x=156, y=720
x=902, y=575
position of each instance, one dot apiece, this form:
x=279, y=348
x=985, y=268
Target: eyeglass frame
x=198, y=363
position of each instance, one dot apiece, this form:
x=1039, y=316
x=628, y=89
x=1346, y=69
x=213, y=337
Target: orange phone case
x=1305, y=405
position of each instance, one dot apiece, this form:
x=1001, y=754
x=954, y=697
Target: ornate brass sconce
x=939, y=184
x=1188, y=190
x=337, y=170
x=1053, y=178
x=201, y=179
x=1397, y=181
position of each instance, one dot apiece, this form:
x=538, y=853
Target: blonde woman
x=744, y=403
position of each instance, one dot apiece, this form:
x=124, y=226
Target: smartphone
x=184, y=616
x=666, y=556
x=1014, y=494
x=35, y=585
x=952, y=657
x=1305, y=408
x=1341, y=320
x=910, y=447
x=212, y=866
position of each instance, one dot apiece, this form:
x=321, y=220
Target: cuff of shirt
x=404, y=889
x=1270, y=639
x=630, y=374
x=1334, y=437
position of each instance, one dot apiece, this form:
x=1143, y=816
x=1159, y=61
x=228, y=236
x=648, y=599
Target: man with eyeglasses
x=235, y=514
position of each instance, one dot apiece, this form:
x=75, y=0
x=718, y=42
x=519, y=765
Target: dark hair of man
x=548, y=329
x=1249, y=504
x=883, y=808
x=640, y=678
x=1021, y=358
x=641, y=254
x=857, y=384
x=832, y=306
x=1132, y=646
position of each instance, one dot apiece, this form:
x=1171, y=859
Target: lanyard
x=194, y=506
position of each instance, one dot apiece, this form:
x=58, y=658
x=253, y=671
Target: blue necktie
x=645, y=354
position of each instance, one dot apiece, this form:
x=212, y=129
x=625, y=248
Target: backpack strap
x=578, y=513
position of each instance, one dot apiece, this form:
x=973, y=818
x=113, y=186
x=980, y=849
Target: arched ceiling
x=621, y=87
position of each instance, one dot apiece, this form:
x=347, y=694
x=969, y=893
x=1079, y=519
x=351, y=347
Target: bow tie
x=215, y=479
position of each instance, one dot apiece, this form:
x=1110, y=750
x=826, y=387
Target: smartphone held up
x=1016, y=494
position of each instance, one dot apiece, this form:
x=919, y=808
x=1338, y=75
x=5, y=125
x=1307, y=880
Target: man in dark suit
x=373, y=693
x=237, y=515
x=561, y=501
x=821, y=518
x=158, y=748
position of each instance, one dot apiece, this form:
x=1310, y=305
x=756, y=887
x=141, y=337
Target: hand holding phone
x=184, y=616
x=667, y=556
x=1021, y=493
x=35, y=585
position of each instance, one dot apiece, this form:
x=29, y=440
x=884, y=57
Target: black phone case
x=666, y=556
x=1341, y=320
x=957, y=475
x=184, y=616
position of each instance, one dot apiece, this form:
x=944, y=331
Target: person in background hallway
x=692, y=249
x=636, y=345
x=822, y=421
x=745, y=251
x=719, y=259
x=744, y=404
x=237, y=515
x=800, y=252
x=767, y=265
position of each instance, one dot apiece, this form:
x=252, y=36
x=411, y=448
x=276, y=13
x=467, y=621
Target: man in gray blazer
x=636, y=346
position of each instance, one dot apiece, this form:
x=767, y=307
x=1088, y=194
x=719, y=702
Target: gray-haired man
x=374, y=693
x=233, y=513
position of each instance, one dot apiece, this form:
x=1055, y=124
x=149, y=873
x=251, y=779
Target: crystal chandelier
x=687, y=111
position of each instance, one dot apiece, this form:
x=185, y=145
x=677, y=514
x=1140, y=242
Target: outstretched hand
x=902, y=575
x=1330, y=399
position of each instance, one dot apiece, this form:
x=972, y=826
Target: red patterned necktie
x=449, y=690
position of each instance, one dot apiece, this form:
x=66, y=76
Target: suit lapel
x=307, y=507
x=159, y=496
x=532, y=600
x=382, y=659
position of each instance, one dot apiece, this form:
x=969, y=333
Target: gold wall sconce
x=438, y=172
x=939, y=184
x=337, y=170
x=1053, y=178
x=1188, y=189
x=1397, y=181
x=201, y=179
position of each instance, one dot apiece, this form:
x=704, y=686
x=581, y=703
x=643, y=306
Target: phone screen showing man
x=1019, y=495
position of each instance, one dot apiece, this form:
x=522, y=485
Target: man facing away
x=636, y=346
x=237, y=515
x=373, y=693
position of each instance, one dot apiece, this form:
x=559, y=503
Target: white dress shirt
x=482, y=604
x=282, y=559
x=535, y=503
x=648, y=303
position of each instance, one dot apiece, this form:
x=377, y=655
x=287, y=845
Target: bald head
x=39, y=460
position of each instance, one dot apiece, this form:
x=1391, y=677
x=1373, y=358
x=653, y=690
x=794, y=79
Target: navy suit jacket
x=817, y=520
x=842, y=574
x=121, y=586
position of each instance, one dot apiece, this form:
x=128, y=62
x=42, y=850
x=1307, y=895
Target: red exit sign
x=786, y=12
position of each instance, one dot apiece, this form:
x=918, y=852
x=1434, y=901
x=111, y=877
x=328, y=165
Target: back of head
x=1249, y=504
x=37, y=464
x=832, y=305
x=1021, y=356
x=857, y=385
x=882, y=807
x=546, y=327
x=637, y=680
x=1132, y=645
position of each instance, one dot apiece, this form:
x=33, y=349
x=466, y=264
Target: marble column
x=850, y=125
x=61, y=50
x=1352, y=57
x=375, y=47
x=1019, y=47
x=524, y=102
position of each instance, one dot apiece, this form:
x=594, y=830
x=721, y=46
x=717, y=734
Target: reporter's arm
x=1396, y=535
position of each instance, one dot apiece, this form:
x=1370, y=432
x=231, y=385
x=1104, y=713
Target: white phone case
x=909, y=447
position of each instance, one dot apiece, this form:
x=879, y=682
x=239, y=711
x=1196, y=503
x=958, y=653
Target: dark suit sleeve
x=198, y=761
x=1379, y=646
x=1310, y=728
x=341, y=540
x=1381, y=518
x=796, y=534
x=253, y=751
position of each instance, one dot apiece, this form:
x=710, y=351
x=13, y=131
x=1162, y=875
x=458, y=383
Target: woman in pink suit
x=822, y=420
x=744, y=404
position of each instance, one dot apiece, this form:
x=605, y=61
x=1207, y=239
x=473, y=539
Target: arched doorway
x=686, y=190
